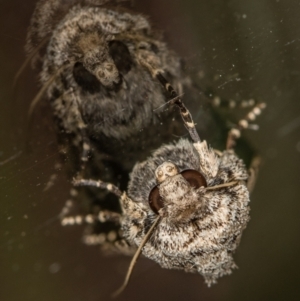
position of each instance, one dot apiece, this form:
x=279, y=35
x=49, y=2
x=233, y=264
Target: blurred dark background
x=246, y=49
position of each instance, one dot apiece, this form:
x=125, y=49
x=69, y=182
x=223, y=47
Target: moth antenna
x=43, y=90
x=222, y=185
x=37, y=99
x=135, y=257
x=26, y=62
x=253, y=172
x=11, y=158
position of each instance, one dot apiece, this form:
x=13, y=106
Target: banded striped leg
x=109, y=239
x=100, y=184
x=86, y=144
x=243, y=124
x=217, y=101
x=176, y=99
x=184, y=112
x=102, y=217
x=86, y=149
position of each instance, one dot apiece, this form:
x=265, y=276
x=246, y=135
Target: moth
x=187, y=205
x=96, y=59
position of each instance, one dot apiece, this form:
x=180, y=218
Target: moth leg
x=106, y=240
x=53, y=178
x=85, y=141
x=176, y=99
x=184, y=112
x=217, y=101
x=243, y=124
x=86, y=149
x=69, y=219
x=68, y=112
x=109, y=242
x=103, y=216
x=107, y=186
x=253, y=173
x=124, y=247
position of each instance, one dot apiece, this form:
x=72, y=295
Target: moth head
x=177, y=196
x=95, y=56
x=165, y=170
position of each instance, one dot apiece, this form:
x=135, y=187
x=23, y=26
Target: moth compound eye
x=86, y=80
x=195, y=178
x=121, y=56
x=155, y=200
